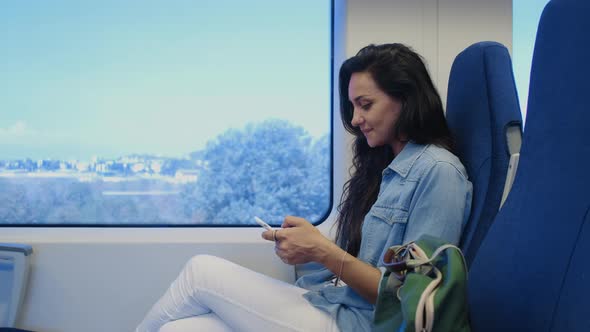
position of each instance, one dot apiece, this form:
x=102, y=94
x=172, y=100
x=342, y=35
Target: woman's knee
x=201, y=260
x=206, y=268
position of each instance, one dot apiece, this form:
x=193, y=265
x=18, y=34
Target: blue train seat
x=531, y=271
x=484, y=116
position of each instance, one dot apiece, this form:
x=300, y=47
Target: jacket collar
x=404, y=161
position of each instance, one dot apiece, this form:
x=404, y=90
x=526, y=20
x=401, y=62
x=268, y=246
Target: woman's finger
x=291, y=221
x=268, y=235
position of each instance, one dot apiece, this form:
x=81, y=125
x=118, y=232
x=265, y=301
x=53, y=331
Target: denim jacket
x=424, y=190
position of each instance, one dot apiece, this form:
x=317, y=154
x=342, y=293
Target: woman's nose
x=356, y=118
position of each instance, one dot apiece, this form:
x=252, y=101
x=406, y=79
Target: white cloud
x=18, y=129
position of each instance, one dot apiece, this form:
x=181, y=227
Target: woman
x=405, y=183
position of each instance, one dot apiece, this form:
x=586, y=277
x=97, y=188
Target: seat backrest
x=482, y=113
x=531, y=271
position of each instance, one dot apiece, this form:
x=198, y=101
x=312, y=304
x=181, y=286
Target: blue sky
x=109, y=78
x=525, y=19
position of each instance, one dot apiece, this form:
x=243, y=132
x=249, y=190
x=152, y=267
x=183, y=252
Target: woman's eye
x=366, y=106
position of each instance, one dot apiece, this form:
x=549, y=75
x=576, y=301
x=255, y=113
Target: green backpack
x=424, y=288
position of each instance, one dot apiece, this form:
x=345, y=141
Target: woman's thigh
x=249, y=301
x=203, y=323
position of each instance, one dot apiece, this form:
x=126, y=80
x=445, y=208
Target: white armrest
x=512, y=167
x=14, y=266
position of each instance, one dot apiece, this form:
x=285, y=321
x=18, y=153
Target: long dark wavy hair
x=399, y=72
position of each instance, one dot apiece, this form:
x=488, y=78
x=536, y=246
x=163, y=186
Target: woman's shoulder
x=436, y=156
x=416, y=160
x=437, y=153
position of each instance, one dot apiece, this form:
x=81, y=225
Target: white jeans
x=222, y=296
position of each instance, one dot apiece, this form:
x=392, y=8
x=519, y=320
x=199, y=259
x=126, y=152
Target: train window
x=165, y=113
x=525, y=19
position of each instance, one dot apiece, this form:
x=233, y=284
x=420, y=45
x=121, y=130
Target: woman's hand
x=298, y=241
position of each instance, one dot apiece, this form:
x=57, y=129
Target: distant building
x=136, y=168
x=82, y=166
x=156, y=166
x=186, y=175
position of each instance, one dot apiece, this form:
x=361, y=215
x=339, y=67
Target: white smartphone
x=263, y=224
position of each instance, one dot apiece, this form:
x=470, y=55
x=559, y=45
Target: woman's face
x=375, y=113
